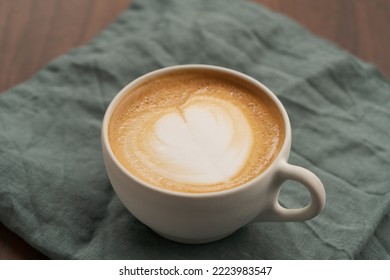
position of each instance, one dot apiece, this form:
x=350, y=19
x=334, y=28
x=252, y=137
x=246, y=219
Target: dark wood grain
x=12, y=247
x=359, y=26
x=32, y=32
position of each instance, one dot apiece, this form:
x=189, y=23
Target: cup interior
x=241, y=78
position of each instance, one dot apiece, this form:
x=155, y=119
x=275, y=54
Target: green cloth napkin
x=54, y=191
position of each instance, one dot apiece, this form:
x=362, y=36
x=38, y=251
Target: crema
x=195, y=131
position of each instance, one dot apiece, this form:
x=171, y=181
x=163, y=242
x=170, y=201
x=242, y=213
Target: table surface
x=33, y=32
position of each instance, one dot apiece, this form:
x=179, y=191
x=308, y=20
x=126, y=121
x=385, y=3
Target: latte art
x=194, y=132
x=206, y=141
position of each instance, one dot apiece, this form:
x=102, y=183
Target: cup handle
x=276, y=212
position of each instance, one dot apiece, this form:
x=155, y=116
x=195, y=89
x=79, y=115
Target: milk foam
x=195, y=132
x=207, y=141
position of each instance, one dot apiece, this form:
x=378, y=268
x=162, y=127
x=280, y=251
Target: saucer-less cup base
x=206, y=217
x=194, y=241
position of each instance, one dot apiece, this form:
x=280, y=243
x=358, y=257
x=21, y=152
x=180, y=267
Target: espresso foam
x=195, y=132
x=205, y=141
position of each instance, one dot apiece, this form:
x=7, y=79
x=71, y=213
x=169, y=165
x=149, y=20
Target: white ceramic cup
x=205, y=217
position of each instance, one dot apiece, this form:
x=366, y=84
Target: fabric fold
x=54, y=191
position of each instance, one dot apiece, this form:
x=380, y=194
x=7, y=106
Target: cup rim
x=283, y=152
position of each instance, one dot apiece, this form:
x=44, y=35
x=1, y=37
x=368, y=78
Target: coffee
x=196, y=131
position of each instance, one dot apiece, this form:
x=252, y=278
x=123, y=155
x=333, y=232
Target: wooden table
x=32, y=32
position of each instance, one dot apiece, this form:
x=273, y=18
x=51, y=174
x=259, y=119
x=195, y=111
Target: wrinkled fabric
x=54, y=191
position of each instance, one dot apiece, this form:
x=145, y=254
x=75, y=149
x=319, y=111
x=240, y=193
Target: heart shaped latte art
x=205, y=141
